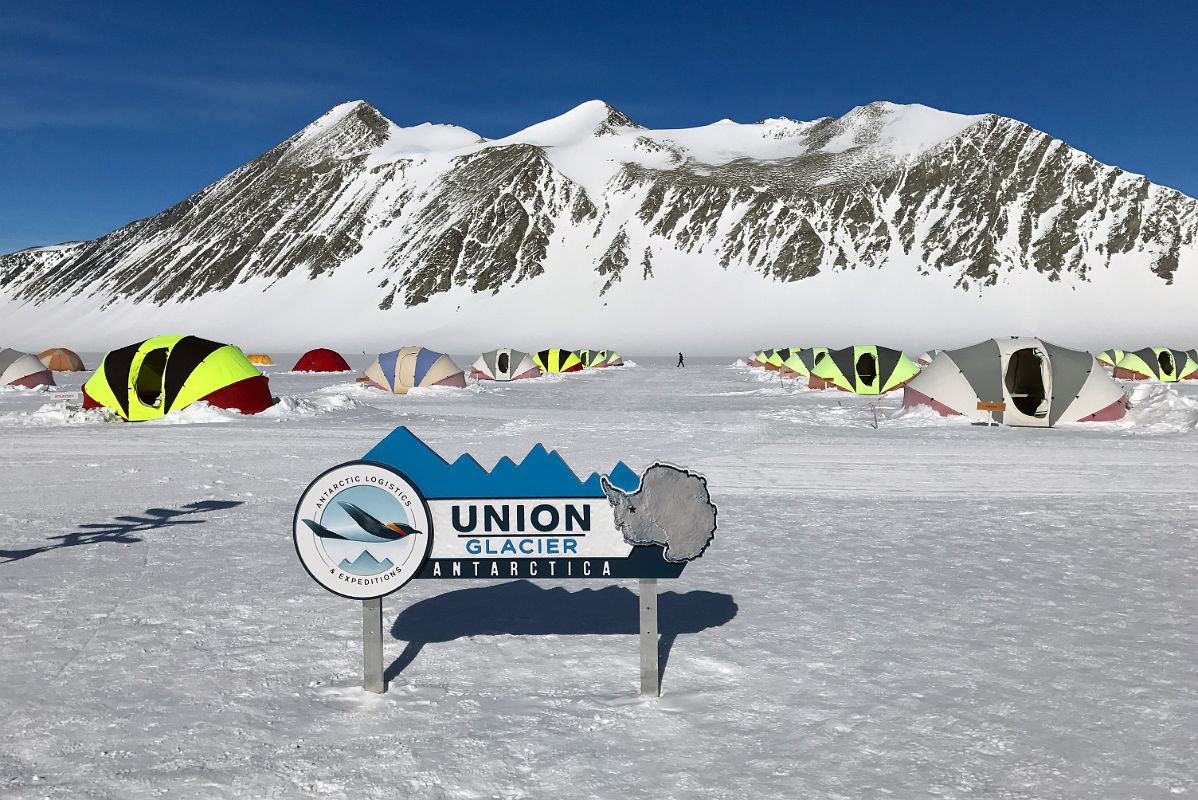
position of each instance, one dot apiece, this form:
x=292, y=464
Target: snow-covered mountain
x=900, y=224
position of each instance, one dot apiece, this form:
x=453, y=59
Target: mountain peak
x=345, y=129
x=902, y=129
x=583, y=122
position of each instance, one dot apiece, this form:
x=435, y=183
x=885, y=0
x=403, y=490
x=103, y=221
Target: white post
x=650, y=673
x=372, y=646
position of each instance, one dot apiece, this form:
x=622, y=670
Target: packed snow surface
x=894, y=605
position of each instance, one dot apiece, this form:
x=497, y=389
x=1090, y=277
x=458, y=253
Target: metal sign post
x=372, y=646
x=650, y=669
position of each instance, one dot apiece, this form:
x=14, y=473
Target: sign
x=365, y=528
x=986, y=406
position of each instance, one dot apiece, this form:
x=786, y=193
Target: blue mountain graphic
x=542, y=473
x=365, y=564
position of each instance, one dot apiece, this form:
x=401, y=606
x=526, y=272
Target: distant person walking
x=681, y=361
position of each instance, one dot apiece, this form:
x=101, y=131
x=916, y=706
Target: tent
x=504, y=364
x=1192, y=376
x=801, y=363
x=797, y=361
x=757, y=359
x=23, y=369
x=1110, y=357
x=150, y=379
x=1040, y=384
x=865, y=369
x=557, y=360
x=926, y=358
x=775, y=357
x=596, y=359
x=260, y=359
x=321, y=360
x=60, y=359
x=408, y=367
x=1155, y=363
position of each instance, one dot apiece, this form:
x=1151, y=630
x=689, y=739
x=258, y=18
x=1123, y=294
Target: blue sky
x=113, y=111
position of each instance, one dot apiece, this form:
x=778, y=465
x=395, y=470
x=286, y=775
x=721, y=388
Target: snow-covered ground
x=925, y=608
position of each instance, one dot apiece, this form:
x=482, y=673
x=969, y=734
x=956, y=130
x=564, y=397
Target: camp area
x=164, y=531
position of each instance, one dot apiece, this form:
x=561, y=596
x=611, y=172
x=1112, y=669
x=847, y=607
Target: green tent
x=866, y=369
x=150, y=379
x=800, y=361
x=597, y=359
x=775, y=357
x=1110, y=357
x=1155, y=363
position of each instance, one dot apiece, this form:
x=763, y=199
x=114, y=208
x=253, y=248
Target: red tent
x=321, y=360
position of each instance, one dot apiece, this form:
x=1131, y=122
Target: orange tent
x=60, y=359
x=260, y=358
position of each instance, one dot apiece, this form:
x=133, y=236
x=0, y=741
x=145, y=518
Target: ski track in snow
x=925, y=608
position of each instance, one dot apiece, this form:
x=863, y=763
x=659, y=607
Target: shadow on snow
x=522, y=608
x=122, y=529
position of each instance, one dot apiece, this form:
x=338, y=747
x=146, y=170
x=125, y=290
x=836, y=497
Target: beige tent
x=403, y=369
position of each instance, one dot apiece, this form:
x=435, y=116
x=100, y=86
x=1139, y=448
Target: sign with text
x=365, y=528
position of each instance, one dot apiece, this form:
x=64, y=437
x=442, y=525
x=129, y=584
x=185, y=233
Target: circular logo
x=362, y=530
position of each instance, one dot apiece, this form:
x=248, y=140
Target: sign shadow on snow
x=122, y=529
x=522, y=608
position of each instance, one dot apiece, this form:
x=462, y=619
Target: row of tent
x=504, y=364
x=154, y=377
x=1018, y=381
x=861, y=369
x=1152, y=363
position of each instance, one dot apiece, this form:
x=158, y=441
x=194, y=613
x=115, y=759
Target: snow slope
x=922, y=609
x=899, y=224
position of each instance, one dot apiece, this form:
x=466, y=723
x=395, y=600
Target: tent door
x=867, y=370
x=1027, y=382
x=504, y=364
x=1164, y=360
x=405, y=373
x=147, y=377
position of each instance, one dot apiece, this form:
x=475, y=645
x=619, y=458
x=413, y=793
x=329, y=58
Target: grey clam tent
x=1029, y=383
x=504, y=364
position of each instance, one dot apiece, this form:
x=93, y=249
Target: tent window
x=503, y=363
x=819, y=358
x=1025, y=382
x=867, y=368
x=1165, y=359
x=148, y=384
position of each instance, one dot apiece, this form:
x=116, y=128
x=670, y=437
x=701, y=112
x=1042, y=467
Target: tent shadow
x=122, y=529
x=522, y=608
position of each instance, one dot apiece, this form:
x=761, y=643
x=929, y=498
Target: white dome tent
x=1038, y=384
x=23, y=369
